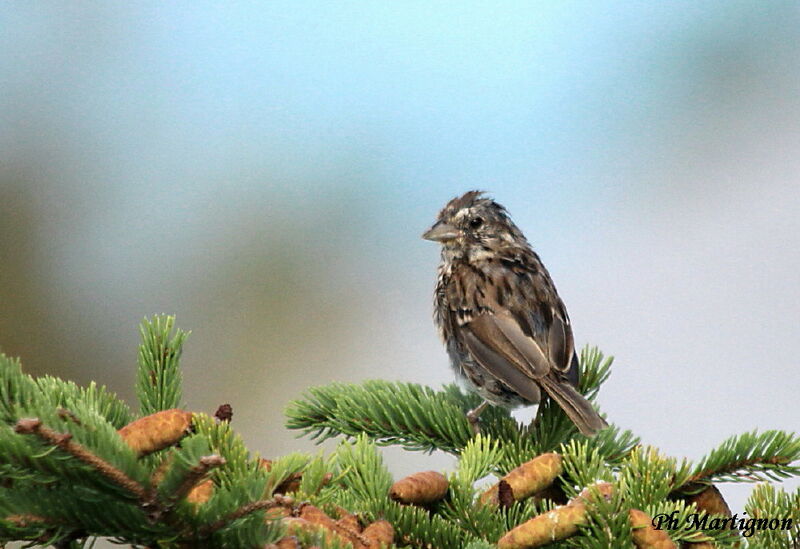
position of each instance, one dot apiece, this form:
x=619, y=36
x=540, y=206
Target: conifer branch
x=156, y=482
x=767, y=501
x=750, y=457
x=242, y=511
x=158, y=382
x=29, y=526
x=408, y=414
x=194, y=475
x=64, y=442
x=419, y=418
x=21, y=394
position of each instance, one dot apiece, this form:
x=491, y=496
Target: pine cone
x=420, y=488
x=156, y=431
x=645, y=536
x=529, y=478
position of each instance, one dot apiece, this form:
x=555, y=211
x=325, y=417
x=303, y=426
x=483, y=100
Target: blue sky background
x=264, y=171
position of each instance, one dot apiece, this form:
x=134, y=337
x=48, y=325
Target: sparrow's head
x=474, y=222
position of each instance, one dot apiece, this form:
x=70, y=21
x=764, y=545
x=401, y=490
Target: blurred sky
x=264, y=171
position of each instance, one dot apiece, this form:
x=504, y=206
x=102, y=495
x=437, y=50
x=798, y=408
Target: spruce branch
x=768, y=502
x=68, y=395
x=27, y=526
x=417, y=527
x=317, y=475
x=595, y=370
x=364, y=471
x=419, y=418
x=284, y=470
x=223, y=440
x=197, y=473
x=478, y=459
x=414, y=416
x=22, y=395
x=243, y=511
x=16, y=388
x=158, y=381
x=750, y=457
x=82, y=467
x=33, y=426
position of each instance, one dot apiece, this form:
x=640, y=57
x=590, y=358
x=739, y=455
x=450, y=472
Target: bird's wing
x=517, y=340
x=536, y=309
x=560, y=343
x=498, y=343
x=501, y=368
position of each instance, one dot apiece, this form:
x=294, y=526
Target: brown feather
x=501, y=368
x=579, y=410
x=502, y=334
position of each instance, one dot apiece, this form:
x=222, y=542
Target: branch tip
x=196, y=474
x=242, y=511
x=33, y=426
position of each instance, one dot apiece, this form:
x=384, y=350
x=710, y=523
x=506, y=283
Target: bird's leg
x=539, y=410
x=538, y=414
x=473, y=416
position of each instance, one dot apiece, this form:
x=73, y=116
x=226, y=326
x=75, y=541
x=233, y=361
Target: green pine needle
x=48, y=495
x=414, y=416
x=751, y=457
x=158, y=382
x=767, y=501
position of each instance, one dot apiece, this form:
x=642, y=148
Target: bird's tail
x=579, y=410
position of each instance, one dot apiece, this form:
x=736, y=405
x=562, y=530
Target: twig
x=196, y=473
x=242, y=511
x=33, y=426
x=733, y=468
x=63, y=413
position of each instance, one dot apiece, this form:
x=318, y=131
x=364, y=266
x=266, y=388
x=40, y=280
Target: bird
x=503, y=324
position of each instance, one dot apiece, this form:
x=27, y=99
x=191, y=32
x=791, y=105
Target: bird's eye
x=476, y=222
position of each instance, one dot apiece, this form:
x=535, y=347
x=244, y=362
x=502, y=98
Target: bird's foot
x=473, y=416
x=474, y=422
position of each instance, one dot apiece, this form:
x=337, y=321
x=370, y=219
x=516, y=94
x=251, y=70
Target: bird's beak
x=441, y=232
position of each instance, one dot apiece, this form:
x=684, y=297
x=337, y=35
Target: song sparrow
x=505, y=328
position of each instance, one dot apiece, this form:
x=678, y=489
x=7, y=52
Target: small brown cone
x=296, y=525
x=378, y=534
x=201, y=493
x=288, y=542
x=276, y=513
x=558, y=524
x=420, y=488
x=348, y=522
x=317, y=518
x=529, y=478
x=604, y=489
x=161, y=470
x=644, y=535
x=24, y=520
x=290, y=485
x=711, y=501
x=156, y=431
x=315, y=515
